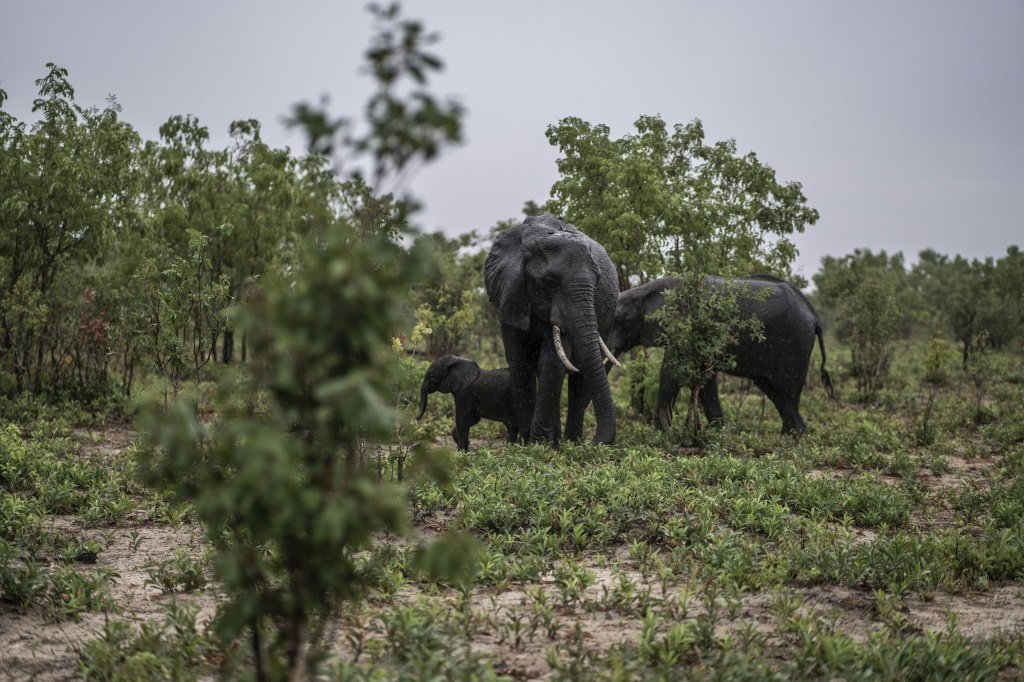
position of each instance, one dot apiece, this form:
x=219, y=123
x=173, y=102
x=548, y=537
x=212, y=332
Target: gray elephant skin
x=555, y=290
x=479, y=394
x=777, y=364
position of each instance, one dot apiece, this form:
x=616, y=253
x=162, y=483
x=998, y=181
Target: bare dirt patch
x=32, y=647
x=962, y=471
x=997, y=610
x=105, y=442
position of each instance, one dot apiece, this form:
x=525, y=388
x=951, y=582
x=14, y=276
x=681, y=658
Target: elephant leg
x=578, y=399
x=792, y=422
x=709, y=400
x=467, y=415
x=547, y=421
x=512, y=432
x=460, y=434
x=521, y=353
x=786, y=404
x=668, y=391
x=461, y=431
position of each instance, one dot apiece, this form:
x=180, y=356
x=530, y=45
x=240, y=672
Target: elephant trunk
x=587, y=343
x=423, y=399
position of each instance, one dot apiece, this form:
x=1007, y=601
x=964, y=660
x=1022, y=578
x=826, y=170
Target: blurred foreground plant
x=280, y=482
x=283, y=482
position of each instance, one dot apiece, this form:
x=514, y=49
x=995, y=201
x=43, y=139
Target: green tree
x=866, y=296
x=67, y=183
x=970, y=297
x=980, y=367
x=661, y=200
x=259, y=187
x=936, y=375
x=451, y=303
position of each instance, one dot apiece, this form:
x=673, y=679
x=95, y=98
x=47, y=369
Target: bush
x=699, y=322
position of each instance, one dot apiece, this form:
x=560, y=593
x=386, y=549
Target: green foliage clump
x=887, y=653
x=50, y=229
x=865, y=293
x=451, y=305
x=700, y=322
x=170, y=648
x=182, y=573
x=61, y=592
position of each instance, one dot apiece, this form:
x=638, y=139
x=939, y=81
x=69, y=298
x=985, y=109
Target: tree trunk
x=229, y=347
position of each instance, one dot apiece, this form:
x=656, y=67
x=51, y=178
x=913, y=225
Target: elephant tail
x=826, y=380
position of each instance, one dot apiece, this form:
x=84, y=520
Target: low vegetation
x=855, y=550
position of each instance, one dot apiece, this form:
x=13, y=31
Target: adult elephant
x=555, y=290
x=777, y=364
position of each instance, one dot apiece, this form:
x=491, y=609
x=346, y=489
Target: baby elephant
x=479, y=394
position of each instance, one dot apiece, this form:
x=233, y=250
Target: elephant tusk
x=608, y=354
x=560, y=350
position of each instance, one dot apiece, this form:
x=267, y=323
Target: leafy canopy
x=664, y=200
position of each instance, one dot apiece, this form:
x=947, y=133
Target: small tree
x=451, y=302
x=700, y=321
x=869, y=323
x=979, y=366
x=663, y=198
x=280, y=482
x=936, y=375
x=868, y=298
x=179, y=307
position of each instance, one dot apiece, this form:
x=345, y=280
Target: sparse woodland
x=210, y=360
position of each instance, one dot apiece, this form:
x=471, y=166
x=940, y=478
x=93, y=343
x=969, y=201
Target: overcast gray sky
x=903, y=120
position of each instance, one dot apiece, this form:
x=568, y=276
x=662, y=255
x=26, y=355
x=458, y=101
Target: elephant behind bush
x=777, y=364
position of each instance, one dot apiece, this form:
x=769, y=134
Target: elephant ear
x=505, y=278
x=652, y=302
x=461, y=373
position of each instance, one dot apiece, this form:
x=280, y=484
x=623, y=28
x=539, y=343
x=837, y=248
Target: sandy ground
x=32, y=647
